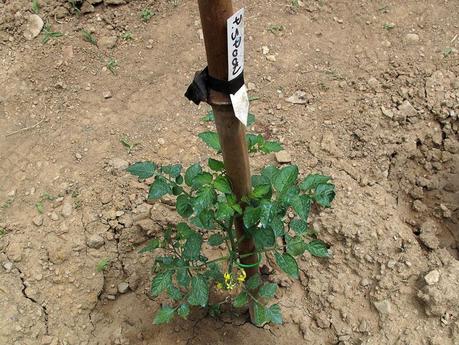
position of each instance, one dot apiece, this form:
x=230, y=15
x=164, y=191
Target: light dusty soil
x=381, y=118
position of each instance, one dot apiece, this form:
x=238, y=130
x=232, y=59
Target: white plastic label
x=235, y=39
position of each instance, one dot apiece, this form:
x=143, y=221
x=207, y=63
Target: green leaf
x=161, y=282
x=209, y=117
x=258, y=180
x=202, y=179
x=142, y=170
x=102, y=265
x=252, y=140
x=259, y=312
x=179, y=179
x=267, y=290
x=299, y=226
x=267, y=211
x=278, y=226
x=222, y=184
x=286, y=177
x=183, y=277
x=206, y=219
x=205, y=197
x=183, y=310
x=312, y=181
x=191, y=173
x=270, y=172
x=274, y=314
x=253, y=282
x=271, y=146
x=192, y=248
x=172, y=170
x=224, y=212
x=318, y=248
x=264, y=238
x=260, y=191
x=183, y=206
x=215, y=240
x=324, y=194
x=174, y=293
x=158, y=189
x=241, y=300
x=301, y=204
x=211, y=139
x=199, y=291
x=151, y=246
x=295, y=246
x=164, y=315
x=184, y=231
x=214, y=310
x=215, y=165
x=287, y=263
x=250, y=119
x=251, y=216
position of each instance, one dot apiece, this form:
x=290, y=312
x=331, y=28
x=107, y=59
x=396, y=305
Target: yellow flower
x=227, y=277
x=241, y=277
x=230, y=285
x=219, y=286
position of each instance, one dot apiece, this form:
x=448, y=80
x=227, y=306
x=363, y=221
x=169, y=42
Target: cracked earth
x=379, y=113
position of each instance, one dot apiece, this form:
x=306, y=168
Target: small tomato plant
x=205, y=201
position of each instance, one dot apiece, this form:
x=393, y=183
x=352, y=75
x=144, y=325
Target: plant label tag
x=235, y=41
x=240, y=101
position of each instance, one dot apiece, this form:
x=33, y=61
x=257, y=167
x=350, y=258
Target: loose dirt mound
x=381, y=84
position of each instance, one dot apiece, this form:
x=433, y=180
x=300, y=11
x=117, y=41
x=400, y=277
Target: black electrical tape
x=198, y=90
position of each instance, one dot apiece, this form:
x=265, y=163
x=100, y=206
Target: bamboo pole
x=214, y=14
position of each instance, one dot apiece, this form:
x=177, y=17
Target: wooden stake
x=214, y=14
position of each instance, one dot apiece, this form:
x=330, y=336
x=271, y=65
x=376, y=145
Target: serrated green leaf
x=205, y=197
x=164, y=315
x=191, y=173
x=267, y=212
x=161, y=282
x=199, y=291
x=258, y=180
x=278, y=226
x=312, y=181
x=253, y=282
x=172, y=170
x=241, y=300
x=183, y=277
x=252, y=140
x=287, y=176
x=206, y=219
x=271, y=146
x=222, y=184
x=142, y=170
x=183, y=206
x=211, y=139
x=183, y=310
x=267, y=290
x=324, y=194
x=151, y=246
x=224, y=212
x=202, y=179
x=174, y=292
x=287, y=263
x=274, y=314
x=301, y=204
x=184, y=231
x=270, y=172
x=215, y=240
x=299, y=226
x=260, y=191
x=158, y=189
x=318, y=248
x=295, y=246
x=251, y=216
x=192, y=248
x=215, y=165
x=259, y=313
x=264, y=238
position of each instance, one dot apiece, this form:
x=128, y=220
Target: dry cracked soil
x=376, y=90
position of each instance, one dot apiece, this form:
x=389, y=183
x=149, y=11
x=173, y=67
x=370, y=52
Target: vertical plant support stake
x=214, y=15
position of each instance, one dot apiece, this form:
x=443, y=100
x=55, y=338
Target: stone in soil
x=384, y=307
x=119, y=164
x=7, y=265
x=95, y=241
x=67, y=209
x=299, y=97
x=33, y=27
x=123, y=287
x=283, y=157
x=108, y=42
x=432, y=277
x=38, y=220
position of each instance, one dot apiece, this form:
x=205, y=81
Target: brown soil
x=381, y=118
